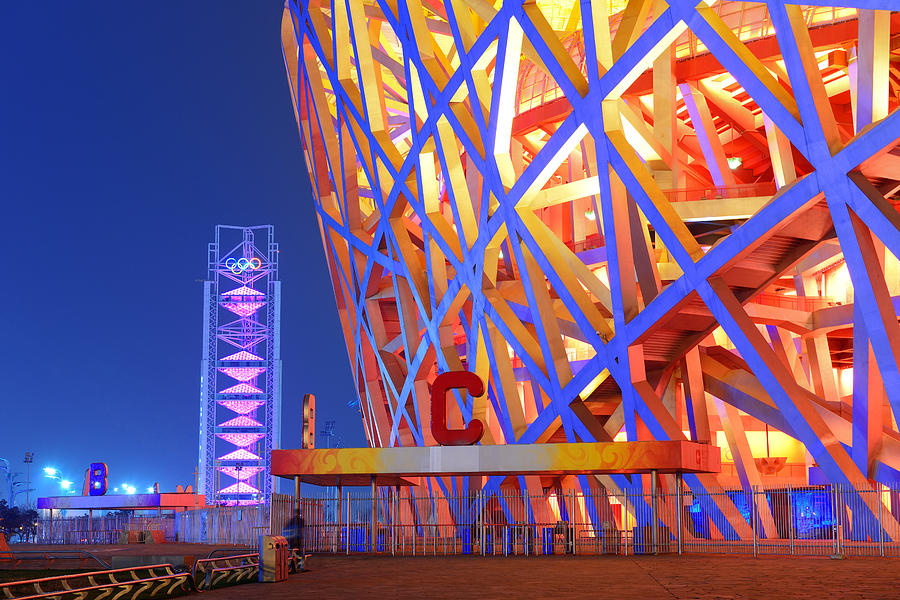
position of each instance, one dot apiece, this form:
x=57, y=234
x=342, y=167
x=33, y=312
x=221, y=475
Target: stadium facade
x=633, y=220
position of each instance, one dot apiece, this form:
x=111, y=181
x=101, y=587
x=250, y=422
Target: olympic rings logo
x=239, y=265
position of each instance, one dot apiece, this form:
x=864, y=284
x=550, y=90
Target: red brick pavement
x=358, y=577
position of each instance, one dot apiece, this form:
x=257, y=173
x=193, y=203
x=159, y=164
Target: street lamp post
x=18, y=484
x=6, y=467
x=29, y=458
x=54, y=474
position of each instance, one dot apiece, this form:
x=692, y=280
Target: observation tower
x=240, y=376
x=634, y=220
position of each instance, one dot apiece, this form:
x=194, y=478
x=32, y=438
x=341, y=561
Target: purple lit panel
x=242, y=388
x=242, y=373
x=244, y=474
x=243, y=309
x=241, y=439
x=240, y=454
x=244, y=502
x=241, y=407
x=242, y=421
x=243, y=291
x=239, y=488
x=242, y=355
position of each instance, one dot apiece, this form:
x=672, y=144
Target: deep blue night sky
x=128, y=130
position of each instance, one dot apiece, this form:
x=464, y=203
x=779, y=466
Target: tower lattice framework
x=240, y=403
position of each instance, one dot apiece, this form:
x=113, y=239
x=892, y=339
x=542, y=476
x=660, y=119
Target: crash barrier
x=208, y=573
x=156, y=581
x=810, y=520
x=298, y=561
x=213, y=572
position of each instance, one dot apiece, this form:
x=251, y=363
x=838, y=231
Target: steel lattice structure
x=634, y=219
x=240, y=382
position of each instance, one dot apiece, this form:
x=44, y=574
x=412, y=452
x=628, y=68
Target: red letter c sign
x=442, y=384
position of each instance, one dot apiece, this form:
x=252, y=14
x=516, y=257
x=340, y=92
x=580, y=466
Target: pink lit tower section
x=240, y=381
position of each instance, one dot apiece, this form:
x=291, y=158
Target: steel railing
x=810, y=520
x=782, y=520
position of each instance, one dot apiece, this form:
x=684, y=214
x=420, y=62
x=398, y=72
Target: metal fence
x=232, y=525
x=825, y=521
x=113, y=528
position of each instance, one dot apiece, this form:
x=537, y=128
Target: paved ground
x=358, y=577
x=361, y=576
x=8, y=575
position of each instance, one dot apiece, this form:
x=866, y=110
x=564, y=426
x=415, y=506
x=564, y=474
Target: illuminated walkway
x=578, y=577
